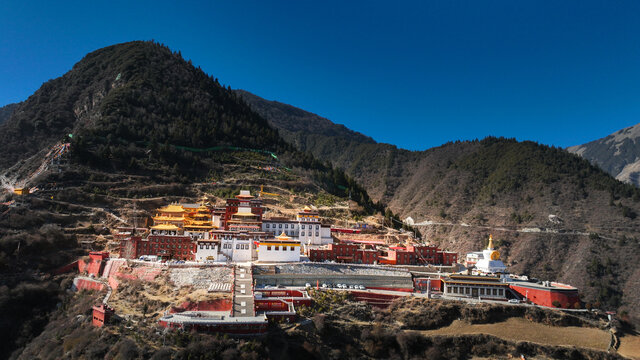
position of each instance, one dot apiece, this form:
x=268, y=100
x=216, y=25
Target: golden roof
x=173, y=208
x=165, y=227
x=196, y=222
x=307, y=208
x=283, y=237
x=169, y=218
x=203, y=208
x=244, y=211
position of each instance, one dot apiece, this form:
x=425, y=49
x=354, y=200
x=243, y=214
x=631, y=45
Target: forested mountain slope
x=145, y=127
x=6, y=111
x=556, y=215
x=140, y=107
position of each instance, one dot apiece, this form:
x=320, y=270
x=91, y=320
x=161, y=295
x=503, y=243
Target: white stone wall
x=278, y=253
x=242, y=250
x=206, y=252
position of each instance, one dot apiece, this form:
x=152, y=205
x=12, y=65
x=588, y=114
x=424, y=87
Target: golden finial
x=490, y=247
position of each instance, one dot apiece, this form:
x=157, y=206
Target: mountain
x=142, y=108
x=557, y=216
x=618, y=154
x=143, y=127
x=6, y=111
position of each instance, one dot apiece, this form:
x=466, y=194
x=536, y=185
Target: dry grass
x=158, y=295
x=630, y=346
x=518, y=329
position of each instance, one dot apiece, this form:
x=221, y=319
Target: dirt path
x=537, y=230
x=518, y=329
x=630, y=346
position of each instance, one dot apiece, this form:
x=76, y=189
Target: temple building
x=490, y=262
x=280, y=249
x=485, y=287
x=244, y=220
x=173, y=214
x=241, y=211
x=200, y=223
x=306, y=228
x=231, y=234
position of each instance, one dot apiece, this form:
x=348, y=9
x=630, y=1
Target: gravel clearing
x=200, y=278
x=334, y=269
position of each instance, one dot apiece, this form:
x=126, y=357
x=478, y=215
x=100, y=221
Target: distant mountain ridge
x=464, y=190
x=618, y=154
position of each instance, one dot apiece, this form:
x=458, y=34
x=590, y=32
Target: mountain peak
x=133, y=94
x=618, y=154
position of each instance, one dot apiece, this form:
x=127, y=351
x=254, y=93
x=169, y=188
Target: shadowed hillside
x=145, y=127
x=557, y=217
x=6, y=111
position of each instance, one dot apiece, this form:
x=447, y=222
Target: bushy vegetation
x=424, y=314
x=505, y=165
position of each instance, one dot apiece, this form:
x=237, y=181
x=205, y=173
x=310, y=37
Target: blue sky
x=414, y=74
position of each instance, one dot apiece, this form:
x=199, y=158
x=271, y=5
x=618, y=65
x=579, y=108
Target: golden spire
x=490, y=246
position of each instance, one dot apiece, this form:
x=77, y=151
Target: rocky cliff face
x=618, y=154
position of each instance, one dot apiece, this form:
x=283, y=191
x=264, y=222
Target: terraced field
x=519, y=329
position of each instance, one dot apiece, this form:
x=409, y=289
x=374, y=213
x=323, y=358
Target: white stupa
x=490, y=262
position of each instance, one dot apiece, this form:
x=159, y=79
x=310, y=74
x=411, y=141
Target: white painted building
x=207, y=250
x=473, y=258
x=306, y=228
x=280, y=249
x=237, y=249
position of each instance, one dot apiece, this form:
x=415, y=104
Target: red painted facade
x=279, y=305
x=223, y=304
x=232, y=208
x=66, y=268
x=420, y=284
x=395, y=255
x=86, y=284
x=95, y=265
x=164, y=246
x=565, y=295
x=101, y=315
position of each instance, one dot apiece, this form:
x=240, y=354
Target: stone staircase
x=243, y=292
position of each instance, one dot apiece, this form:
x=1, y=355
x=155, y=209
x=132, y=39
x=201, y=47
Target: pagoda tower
x=490, y=262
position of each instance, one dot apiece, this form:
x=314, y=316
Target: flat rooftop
x=211, y=317
x=542, y=286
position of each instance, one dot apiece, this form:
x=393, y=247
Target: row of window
x=284, y=248
x=162, y=246
x=481, y=291
x=286, y=226
x=162, y=240
x=230, y=246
